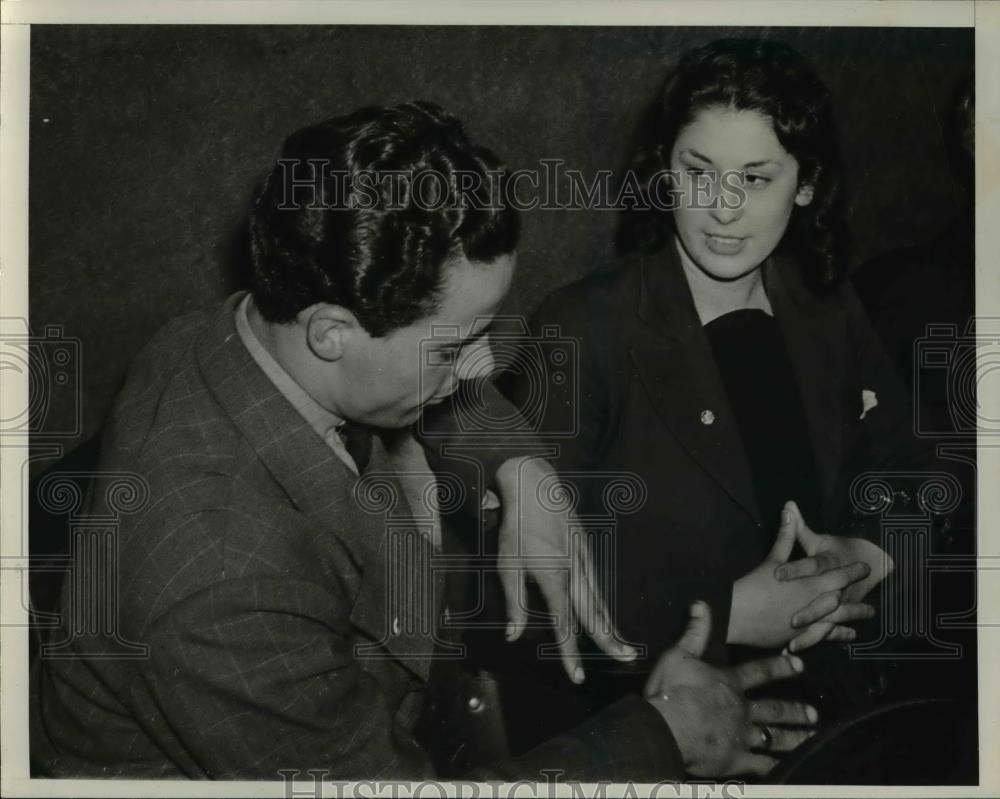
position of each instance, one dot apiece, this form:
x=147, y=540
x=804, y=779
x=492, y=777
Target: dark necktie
x=357, y=440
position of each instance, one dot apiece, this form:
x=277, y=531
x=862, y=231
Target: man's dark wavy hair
x=326, y=232
x=774, y=80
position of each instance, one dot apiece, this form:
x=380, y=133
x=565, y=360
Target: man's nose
x=475, y=360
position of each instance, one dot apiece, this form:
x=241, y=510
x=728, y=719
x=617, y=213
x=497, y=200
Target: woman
x=725, y=364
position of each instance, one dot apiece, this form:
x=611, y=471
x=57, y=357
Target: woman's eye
x=756, y=181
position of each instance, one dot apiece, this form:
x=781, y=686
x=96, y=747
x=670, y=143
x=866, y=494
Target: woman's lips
x=725, y=245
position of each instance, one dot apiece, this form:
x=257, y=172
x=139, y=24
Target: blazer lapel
x=319, y=484
x=814, y=334
x=400, y=598
x=674, y=361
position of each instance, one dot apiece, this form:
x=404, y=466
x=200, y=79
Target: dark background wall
x=147, y=142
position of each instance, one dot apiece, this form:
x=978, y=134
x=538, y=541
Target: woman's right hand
x=763, y=607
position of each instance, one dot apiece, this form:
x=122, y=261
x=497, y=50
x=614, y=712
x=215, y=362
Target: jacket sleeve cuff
x=626, y=741
x=473, y=433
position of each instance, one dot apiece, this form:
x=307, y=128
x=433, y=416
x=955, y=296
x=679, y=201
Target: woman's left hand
x=827, y=550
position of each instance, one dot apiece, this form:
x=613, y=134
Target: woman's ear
x=329, y=330
x=804, y=195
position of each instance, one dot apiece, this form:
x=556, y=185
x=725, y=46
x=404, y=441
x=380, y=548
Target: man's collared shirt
x=403, y=452
x=326, y=424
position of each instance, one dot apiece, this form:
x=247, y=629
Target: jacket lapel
x=814, y=333
x=674, y=361
x=319, y=484
x=399, y=601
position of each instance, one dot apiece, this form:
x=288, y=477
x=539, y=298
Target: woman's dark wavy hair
x=774, y=80
x=330, y=231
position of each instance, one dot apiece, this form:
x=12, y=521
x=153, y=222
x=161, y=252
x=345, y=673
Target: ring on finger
x=766, y=738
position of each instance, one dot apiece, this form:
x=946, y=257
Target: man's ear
x=804, y=195
x=329, y=330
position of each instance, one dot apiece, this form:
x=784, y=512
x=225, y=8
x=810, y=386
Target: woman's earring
x=804, y=196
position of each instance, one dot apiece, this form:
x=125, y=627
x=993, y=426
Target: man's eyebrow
x=468, y=339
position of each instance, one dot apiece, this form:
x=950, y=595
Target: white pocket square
x=490, y=501
x=868, y=401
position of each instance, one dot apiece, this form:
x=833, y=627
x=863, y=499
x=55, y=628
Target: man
x=264, y=576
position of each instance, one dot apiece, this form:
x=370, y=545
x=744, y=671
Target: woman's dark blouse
x=753, y=361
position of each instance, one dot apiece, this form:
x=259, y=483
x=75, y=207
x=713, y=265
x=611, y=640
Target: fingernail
x=786, y=517
x=791, y=646
x=510, y=630
x=811, y=714
x=798, y=665
x=781, y=573
x=795, y=621
x=578, y=675
x=629, y=652
x=785, y=651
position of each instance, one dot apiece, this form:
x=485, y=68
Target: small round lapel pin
x=707, y=417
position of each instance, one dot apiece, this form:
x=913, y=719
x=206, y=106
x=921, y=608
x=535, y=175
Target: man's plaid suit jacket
x=269, y=598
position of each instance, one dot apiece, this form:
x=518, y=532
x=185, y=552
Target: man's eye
x=445, y=357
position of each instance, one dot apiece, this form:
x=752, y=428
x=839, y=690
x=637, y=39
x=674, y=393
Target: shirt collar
x=319, y=418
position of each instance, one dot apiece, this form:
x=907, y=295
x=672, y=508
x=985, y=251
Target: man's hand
x=825, y=551
x=535, y=541
x=769, y=612
x=716, y=727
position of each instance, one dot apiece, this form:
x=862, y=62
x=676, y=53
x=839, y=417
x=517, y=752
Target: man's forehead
x=471, y=295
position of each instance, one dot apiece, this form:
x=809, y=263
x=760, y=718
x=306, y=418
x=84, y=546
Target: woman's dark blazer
x=649, y=401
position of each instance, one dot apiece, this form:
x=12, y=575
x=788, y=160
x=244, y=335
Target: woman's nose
x=723, y=214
